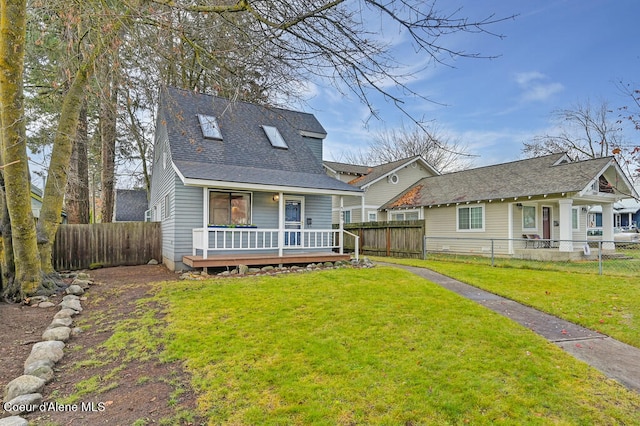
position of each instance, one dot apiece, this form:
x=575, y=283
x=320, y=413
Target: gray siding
x=163, y=182
x=316, y=146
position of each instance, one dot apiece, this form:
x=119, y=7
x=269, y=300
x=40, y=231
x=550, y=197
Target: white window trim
x=166, y=207
x=535, y=218
x=350, y=215
x=372, y=214
x=405, y=212
x=206, y=202
x=471, y=206
x=577, y=210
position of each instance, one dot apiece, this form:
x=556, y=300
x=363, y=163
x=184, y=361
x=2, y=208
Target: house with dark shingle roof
x=380, y=184
x=547, y=197
x=130, y=205
x=238, y=183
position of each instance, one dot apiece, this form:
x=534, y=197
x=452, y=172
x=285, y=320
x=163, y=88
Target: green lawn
x=370, y=346
x=609, y=304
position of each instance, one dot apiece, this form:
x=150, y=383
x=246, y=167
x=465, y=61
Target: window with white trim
x=575, y=218
x=470, y=218
x=529, y=217
x=373, y=216
x=229, y=208
x=166, y=208
x=346, y=216
x=408, y=215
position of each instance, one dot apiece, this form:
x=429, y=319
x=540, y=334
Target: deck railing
x=244, y=239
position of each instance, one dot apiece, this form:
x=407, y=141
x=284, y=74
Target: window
x=410, y=215
x=575, y=219
x=166, y=208
x=275, y=137
x=529, y=217
x=373, y=216
x=471, y=218
x=346, y=216
x=229, y=208
x=209, y=126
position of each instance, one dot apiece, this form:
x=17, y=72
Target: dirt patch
x=141, y=391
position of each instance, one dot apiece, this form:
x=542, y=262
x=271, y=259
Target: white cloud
x=536, y=87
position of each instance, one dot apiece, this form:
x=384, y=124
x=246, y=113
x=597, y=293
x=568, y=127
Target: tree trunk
x=61, y=153
x=77, y=198
x=58, y=168
x=14, y=148
x=8, y=285
x=108, y=136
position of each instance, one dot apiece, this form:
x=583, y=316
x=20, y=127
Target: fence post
x=492, y=254
x=600, y=257
x=424, y=247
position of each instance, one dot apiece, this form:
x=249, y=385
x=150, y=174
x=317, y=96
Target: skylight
x=275, y=137
x=209, y=126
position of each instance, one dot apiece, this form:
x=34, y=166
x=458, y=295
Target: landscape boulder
x=73, y=304
x=24, y=403
x=61, y=322
x=13, y=421
x=57, y=333
x=40, y=369
x=65, y=313
x=23, y=385
x=50, y=351
x=74, y=289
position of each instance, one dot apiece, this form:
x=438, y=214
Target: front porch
x=218, y=247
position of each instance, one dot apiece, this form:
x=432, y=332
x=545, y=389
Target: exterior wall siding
x=378, y=194
x=162, y=189
x=383, y=190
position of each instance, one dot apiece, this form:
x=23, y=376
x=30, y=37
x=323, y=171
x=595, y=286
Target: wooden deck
x=261, y=259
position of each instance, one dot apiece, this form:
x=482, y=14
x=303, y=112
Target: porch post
x=341, y=225
x=607, y=227
x=566, y=227
x=280, y=224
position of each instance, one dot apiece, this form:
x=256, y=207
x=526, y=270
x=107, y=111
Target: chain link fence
x=585, y=256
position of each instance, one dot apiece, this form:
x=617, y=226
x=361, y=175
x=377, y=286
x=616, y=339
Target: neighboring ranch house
x=546, y=198
x=237, y=183
x=380, y=184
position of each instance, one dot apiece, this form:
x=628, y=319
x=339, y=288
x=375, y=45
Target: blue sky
x=554, y=54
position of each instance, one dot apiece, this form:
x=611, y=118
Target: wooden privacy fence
x=106, y=244
x=397, y=238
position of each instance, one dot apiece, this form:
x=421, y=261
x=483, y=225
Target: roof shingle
x=530, y=177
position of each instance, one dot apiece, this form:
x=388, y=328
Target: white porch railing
x=245, y=239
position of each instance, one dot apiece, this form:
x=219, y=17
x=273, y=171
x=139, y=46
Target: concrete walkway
x=615, y=359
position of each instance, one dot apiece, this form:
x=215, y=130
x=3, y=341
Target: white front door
x=293, y=215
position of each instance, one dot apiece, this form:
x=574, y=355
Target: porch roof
x=547, y=175
x=253, y=178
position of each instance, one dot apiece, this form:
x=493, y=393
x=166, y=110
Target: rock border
x=22, y=394
x=244, y=270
